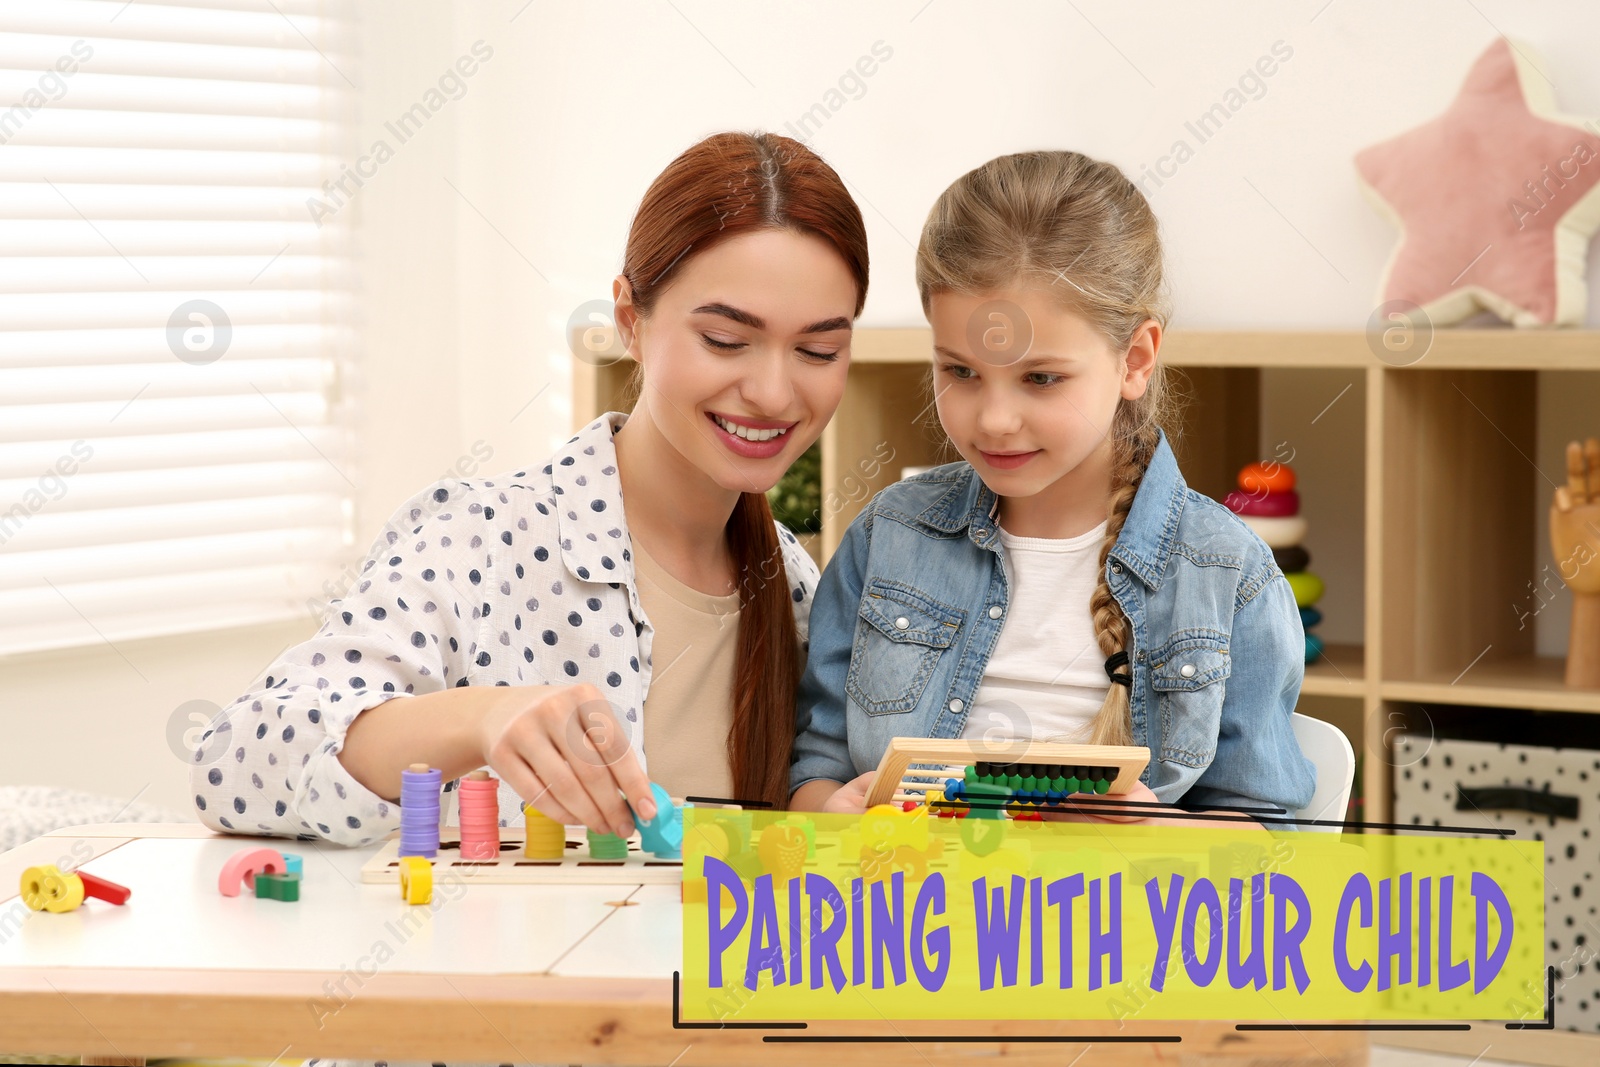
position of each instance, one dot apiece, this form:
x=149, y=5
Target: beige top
x=689, y=707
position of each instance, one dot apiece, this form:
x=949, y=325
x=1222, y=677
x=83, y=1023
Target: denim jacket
x=910, y=606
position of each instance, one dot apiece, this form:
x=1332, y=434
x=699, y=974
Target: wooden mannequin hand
x=1575, y=519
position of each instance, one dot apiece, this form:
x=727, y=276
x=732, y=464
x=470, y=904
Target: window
x=175, y=319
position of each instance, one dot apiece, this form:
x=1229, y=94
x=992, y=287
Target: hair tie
x=1115, y=660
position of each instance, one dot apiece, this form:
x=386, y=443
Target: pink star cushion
x=1496, y=200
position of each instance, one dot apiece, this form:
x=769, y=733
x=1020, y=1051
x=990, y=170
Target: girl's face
x=1026, y=390
x=745, y=353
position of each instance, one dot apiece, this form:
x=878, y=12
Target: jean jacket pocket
x=900, y=634
x=1189, y=675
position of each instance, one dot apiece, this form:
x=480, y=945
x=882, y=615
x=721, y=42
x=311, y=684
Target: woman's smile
x=751, y=438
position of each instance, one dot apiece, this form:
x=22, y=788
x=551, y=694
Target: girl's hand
x=1140, y=792
x=851, y=799
x=563, y=751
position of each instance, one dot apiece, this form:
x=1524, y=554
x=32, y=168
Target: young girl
x=531, y=623
x=1063, y=583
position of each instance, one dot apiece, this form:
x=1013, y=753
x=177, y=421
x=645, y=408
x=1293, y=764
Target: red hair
x=726, y=185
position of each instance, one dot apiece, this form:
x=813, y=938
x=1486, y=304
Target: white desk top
x=176, y=918
x=495, y=973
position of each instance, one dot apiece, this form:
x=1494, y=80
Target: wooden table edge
x=531, y=1018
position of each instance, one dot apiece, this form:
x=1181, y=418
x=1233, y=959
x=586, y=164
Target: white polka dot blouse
x=526, y=578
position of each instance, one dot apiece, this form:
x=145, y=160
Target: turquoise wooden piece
x=661, y=836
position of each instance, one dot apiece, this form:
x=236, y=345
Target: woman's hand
x=851, y=798
x=562, y=750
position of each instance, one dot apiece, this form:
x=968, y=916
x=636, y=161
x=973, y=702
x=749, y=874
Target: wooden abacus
x=911, y=766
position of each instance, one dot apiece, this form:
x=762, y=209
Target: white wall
x=511, y=207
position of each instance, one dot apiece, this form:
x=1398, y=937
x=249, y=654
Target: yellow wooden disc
x=416, y=879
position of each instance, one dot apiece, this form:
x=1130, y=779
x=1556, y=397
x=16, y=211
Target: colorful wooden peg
x=277, y=886
x=103, y=889
x=661, y=836
x=416, y=880
x=242, y=867
x=47, y=888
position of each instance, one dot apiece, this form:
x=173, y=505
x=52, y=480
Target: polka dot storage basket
x=1544, y=794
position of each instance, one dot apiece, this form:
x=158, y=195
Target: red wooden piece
x=104, y=889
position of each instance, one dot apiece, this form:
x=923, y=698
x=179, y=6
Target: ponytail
x=767, y=673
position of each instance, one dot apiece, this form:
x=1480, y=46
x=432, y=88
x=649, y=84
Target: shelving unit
x=1451, y=491
x=1447, y=465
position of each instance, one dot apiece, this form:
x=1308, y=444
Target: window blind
x=175, y=322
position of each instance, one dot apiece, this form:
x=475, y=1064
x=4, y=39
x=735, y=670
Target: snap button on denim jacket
x=910, y=607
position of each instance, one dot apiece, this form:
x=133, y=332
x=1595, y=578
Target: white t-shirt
x=1046, y=679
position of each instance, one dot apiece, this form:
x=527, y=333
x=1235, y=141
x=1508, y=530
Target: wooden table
x=523, y=974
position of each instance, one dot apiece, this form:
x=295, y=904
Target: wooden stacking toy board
x=913, y=766
x=577, y=867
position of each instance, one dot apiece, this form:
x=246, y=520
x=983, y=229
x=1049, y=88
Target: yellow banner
x=900, y=915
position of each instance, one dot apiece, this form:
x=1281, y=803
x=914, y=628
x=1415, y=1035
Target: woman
x=530, y=622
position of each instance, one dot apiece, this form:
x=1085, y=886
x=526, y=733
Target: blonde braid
x=1047, y=218
x=1113, y=723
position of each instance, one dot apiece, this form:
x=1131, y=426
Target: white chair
x=1328, y=749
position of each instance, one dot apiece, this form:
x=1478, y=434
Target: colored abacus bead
x=1309, y=617
x=241, y=869
x=1313, y=647
x=986, y=800
x=278, y=886
x=416, y=880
